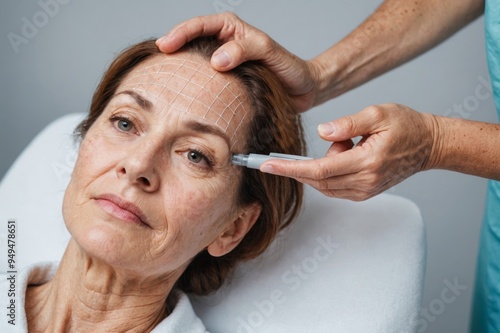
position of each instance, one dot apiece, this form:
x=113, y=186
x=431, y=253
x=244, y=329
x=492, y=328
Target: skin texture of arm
x=395, y=33
x=465, y=146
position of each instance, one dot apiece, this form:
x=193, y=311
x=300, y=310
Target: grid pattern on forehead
x=187, y=82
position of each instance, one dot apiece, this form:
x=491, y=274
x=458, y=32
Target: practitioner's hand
x=397, y=142
x=244, y=42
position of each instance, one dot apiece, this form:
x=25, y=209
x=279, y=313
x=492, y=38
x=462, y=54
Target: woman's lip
x=121, y=208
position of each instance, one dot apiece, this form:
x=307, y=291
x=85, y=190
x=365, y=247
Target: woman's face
x=153, y=184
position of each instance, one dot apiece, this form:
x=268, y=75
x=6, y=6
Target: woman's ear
x=235, y=231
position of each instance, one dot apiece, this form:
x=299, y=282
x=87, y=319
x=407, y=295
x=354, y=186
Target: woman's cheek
x=96, y=156
x=202, y=204
x=80, y=177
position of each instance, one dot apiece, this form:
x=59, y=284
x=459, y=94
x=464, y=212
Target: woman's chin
x=107, y=246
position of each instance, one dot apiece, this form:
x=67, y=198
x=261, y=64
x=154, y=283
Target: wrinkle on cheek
x=83, y=175
x=95, y=158
x=168, y=243
x=166, y=236
x=79, y=179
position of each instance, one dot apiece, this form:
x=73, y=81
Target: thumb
x=227, y=57
x=364, y=122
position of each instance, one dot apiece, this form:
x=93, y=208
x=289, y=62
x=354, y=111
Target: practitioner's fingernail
x=326, y=129
x=220, y=59
x=267, y=168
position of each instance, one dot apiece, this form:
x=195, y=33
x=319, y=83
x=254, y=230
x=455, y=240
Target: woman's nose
x=140, y=166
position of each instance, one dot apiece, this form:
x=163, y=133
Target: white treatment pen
x=255, y=160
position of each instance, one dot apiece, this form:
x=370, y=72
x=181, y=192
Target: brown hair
x=274, y=128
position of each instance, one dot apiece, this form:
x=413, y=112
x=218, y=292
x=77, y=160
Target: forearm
x=396, y=32
x=465, y=146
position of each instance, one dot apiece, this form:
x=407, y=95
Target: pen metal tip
x=239, y=159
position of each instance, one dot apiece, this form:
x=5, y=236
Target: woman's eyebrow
x=141, y=101
x=208, y=129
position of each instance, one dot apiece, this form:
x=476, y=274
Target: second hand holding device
x=254, y=161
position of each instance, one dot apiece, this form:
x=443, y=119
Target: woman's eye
x=195, y=157
x=198, y=158
x=124, y=125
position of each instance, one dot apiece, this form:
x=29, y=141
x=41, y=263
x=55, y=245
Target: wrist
x=437, y=135
x=326, y=76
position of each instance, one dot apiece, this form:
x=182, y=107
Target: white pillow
x=341, y=267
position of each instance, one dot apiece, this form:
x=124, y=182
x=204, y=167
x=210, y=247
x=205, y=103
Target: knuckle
x=231, y=26
x=232, y=23
x=230, y=15
x=198, y=20
x=375, y=112
x=321, y=172
x=264, y=42
x=398, y=107
x=195, y=24
x=349, y=124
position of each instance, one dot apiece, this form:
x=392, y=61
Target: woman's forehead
x=187, y=84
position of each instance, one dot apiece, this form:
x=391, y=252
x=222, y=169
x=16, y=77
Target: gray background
x=58, y=68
